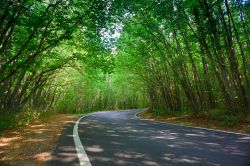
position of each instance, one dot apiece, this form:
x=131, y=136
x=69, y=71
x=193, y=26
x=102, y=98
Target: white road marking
x=82, y=155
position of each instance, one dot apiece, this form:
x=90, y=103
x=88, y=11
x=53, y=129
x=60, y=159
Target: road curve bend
x=118, y=138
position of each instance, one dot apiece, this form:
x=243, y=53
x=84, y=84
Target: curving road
x=121, y=139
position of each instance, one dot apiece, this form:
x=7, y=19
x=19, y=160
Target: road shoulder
x=34, y=144
x=242, y=128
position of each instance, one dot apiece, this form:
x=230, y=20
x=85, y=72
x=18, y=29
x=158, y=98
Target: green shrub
x=215, y=114
x=229, y=120
x=159, y=111
x=6, y=122
x=248, y=130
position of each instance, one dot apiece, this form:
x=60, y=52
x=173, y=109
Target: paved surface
x=118, y=138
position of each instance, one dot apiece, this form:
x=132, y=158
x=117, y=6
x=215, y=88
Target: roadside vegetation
x=174, y=57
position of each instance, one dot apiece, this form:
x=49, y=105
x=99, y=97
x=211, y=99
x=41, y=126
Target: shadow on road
x=110, y=140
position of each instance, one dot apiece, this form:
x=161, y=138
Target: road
x=119, y=138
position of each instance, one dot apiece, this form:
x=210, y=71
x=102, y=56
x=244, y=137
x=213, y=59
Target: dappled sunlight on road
x=114, y=141
x=65, y=153
x=94, y=148
x=150, y=163
x=129, y=155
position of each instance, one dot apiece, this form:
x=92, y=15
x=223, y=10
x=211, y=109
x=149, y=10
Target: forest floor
x=33, y=144
x=200, y=121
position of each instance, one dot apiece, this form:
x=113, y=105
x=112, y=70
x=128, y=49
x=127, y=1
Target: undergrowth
x=223, y=118
x=219, y=115
x=17, y=119
x=14, y=119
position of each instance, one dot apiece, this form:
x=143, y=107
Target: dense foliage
x=74, y=56
x=192, y=55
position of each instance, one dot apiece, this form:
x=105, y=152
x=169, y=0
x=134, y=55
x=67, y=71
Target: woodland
x=172, y=56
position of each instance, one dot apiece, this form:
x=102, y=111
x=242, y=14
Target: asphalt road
x=118, y=138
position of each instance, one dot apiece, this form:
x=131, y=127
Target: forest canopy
x=169, y=55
